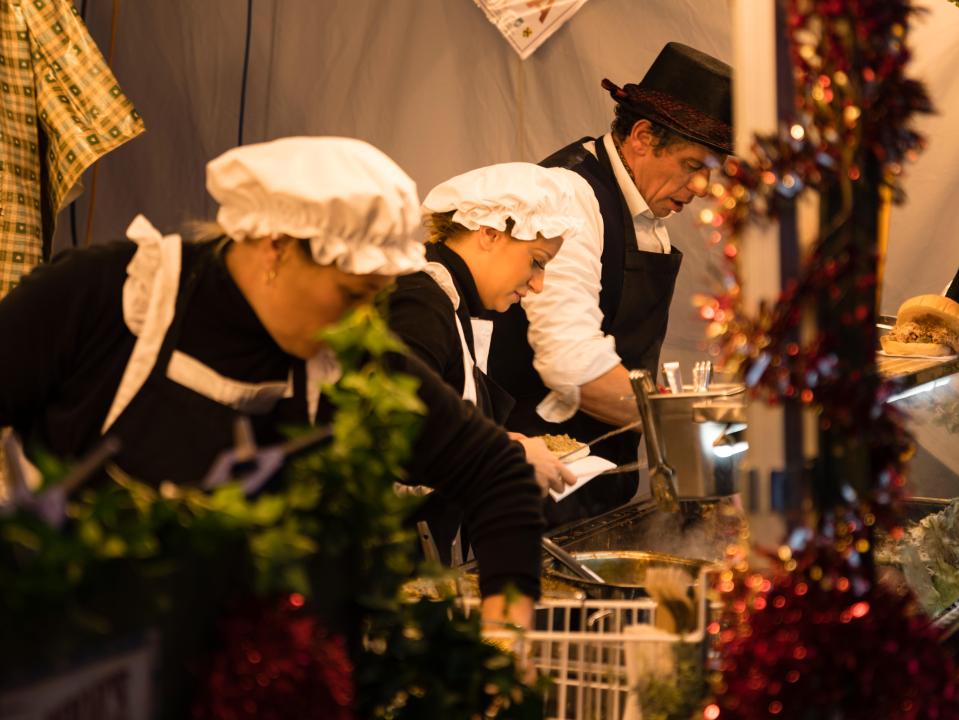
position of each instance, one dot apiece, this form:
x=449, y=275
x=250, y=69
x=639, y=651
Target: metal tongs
x=252, y=465
x=571, y=562
x=662, y=477
x=50, y=503
x=635, y=425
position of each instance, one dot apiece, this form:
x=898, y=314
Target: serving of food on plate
x=565, y=447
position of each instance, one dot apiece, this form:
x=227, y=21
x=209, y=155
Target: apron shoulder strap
x=618, y=234
x=442, y=276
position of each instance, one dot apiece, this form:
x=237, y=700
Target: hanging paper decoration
x=526, y=24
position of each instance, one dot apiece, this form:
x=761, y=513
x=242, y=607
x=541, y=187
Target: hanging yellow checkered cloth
x=62, y=110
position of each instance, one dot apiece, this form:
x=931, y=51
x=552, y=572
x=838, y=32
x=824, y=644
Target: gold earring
x=271, y=276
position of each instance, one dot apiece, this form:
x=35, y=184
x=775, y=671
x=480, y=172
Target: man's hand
x=551, y=473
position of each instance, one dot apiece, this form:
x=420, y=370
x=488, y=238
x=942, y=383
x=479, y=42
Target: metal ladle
x=662, y=477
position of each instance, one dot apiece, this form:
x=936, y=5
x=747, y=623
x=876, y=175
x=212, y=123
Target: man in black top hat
x=565, y=354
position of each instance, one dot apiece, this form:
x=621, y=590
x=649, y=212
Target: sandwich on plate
x=925, y=325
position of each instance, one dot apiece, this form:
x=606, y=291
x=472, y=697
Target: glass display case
x=928, y=394
x=927, y=557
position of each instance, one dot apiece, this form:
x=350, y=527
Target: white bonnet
x=539, y=200
x=356, y=206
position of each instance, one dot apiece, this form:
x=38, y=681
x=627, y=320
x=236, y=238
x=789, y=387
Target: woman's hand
x=551, y=473
x=504, y=624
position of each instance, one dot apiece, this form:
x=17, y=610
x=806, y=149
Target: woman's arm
x=63, y=347
x=49, y=321
x=423, y=317
x=469, y=459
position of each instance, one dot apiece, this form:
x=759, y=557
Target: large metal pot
x=701, y=434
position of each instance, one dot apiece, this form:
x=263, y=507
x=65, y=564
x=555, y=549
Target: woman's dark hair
x=626, y=117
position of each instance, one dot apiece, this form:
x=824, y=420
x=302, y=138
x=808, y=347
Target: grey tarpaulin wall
x=924, y=233
x=433, y=84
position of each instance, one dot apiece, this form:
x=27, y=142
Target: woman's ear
x=273, y=252
x=488, y=237
x=280, y=248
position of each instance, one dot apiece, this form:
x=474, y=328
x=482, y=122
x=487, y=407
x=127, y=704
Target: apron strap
x=614, y=258
x=482, y=338
x=469, y=381
x=442, y=277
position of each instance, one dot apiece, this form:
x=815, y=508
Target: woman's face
x=506, y=269
x=310, y=297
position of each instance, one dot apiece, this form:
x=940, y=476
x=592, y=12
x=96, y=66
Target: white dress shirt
x=565, y=320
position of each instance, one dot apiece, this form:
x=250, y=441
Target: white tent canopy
x=434, y=84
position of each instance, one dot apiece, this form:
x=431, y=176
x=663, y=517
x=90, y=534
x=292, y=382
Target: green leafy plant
x=679, y=696
x=130, y=556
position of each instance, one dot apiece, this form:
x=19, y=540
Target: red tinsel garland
x=814, y=643
x=841, y=110
x=277, y=662
x=819, y=639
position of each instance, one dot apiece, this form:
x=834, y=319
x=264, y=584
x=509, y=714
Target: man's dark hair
x=626, y=117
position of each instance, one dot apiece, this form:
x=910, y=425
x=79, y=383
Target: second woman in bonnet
x=492, y=232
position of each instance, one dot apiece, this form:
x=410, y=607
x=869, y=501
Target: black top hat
x=689, y=92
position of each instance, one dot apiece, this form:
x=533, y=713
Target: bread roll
x=894, y=347
x=942, y=308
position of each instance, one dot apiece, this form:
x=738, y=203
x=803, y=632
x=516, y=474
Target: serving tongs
x=571, y=562
x=662, y=477
x=635, y=425
x=253, y=466
x=49, y=503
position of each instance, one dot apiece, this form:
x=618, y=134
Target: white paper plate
x=585, y=469
x=944, y=358
x=577, y=455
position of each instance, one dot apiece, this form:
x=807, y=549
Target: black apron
x=635, y=303
x=169, y=431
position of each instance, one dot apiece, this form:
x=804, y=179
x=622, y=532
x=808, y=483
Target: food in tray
x=925, y=325
x=439, y=588
x=928, y=558
x=561, y=445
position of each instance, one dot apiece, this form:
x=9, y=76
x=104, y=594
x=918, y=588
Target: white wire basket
x=595, y=651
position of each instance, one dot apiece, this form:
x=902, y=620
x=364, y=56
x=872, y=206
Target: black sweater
x=422, y=314
x=65, y=346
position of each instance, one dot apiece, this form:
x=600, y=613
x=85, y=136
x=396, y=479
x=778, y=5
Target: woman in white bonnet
x=492, y=231
x=162, y=343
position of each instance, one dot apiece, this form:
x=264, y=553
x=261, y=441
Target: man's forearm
x=609, y=398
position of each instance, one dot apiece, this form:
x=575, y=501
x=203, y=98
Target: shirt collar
x=634, y=199
x=462, y=277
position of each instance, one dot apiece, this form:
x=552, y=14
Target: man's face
x=669, y=178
